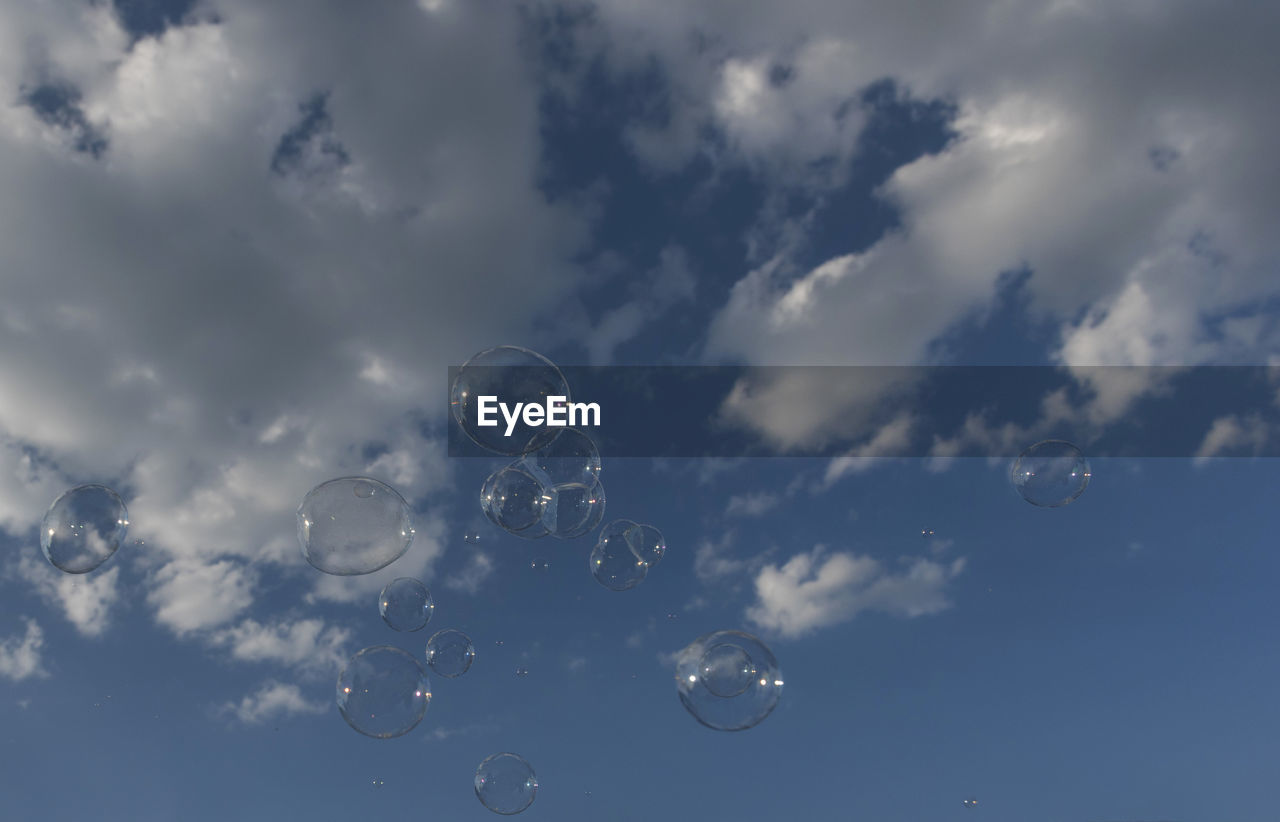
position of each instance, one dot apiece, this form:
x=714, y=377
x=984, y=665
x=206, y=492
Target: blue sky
x=241, y=246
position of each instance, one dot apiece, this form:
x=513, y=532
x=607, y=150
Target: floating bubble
x=353, y=525
x=450, y=653
x=613, y=563
x=590, y=505
x=571, y=458
x=672, y=615
x=647, y=543
x=540, y=565
x=406, y=604
x=471, y=538
x=514, y=500
x=971, y=803
x=728, y=680
x=83, y=528
x=522, y=672
x=926, y=532
x=1050, y=474
x=506, y=784
x=383, y=692
x=512, y=375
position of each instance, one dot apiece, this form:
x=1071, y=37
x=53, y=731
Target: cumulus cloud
x=273, y=699
x=85, y=599
x=478, y=568
x=1233, y=434
x=190, y=595
x=816, y=590
x=307, y=644
x=20, y=655
x=717, y=562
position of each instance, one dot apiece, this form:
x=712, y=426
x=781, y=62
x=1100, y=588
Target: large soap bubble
x=1050, y=474
x=450, y=653
x=406, y=604
x=353, y=525
x=613, y=563
x=512, y=375
x=728, y=680
x=83, y=528
x=573, y=509
x=506, y=784
x=383, y=692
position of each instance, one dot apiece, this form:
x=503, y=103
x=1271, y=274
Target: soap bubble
x=587, y=504
x=971, y=803
x=383, y=692
x=471, y=538
x=505, y=783
x=522, y=672
x=1050, y=474
x=83, y=528
x=513, y=375
x=572, y=457
x=353, y=525
x=728, y=680
x=613, y=564
x=406, y=604
x=540, y=565
x=647, y=543
x=513, y=499
x=450, y=653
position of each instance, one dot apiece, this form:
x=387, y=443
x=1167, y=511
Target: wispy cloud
x=20, y=655
x=273, y=699
x=751, y=505
x=85, y=599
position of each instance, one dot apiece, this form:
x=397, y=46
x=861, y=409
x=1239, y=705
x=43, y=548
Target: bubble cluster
x=512, y=375
x=383, y=692
x=506, y=784
x=450, y=653
x=1050, y=474
x=555, y=491
x=728, y=680
x=353, y=525
x=406, y=604
x=624, y=553
x=83, y=528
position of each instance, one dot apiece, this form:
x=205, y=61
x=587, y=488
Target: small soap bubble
x=406, y=604
x=498, y=642
x=522, y=672
x=514, y=500
x=612, y=562
x=971, y=803
x=540, y=565
x=926, y=532
x=728, y=680
x=471, y=538
x=506, y=784
x=647, y=543
x=345, y=532
x=383, y=692
x=672, y=615
x=450, y=653
x=511, y=375
x=1050, y=474
x=584, y=506
x=83, y=528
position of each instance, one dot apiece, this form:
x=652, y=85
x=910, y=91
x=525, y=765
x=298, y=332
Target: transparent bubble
x=971, y=803
x=540, y=565
x=1050, y=473
x=647, y=543
x=926, y=532
x=450, y=653
x=570, y=458
x=471, y=538
x=514, y=500
x=353, y=525
x=522, y=672
x=726, y=669
x=383, y=692
x=728, y=680
x=587, y=505
x=613, y=564
x=83, y=528
x=506, y=784
x=512, y=375
x=406, y=604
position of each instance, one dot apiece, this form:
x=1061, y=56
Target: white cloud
x=273, y=699
x=85, y=599
x=890, y=440
x=189, y=595
x=20, y=656
x=307, y=644
x=1233, y=434
x=816, y=590
x=418, y=562
x=751, y=505
x=716, y=562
